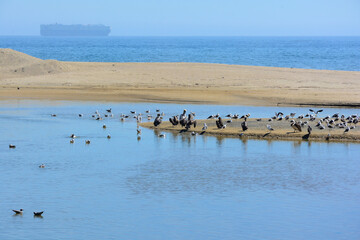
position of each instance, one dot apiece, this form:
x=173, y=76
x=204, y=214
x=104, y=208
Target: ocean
x=331, y=53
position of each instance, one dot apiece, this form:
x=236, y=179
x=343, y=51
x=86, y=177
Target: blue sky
x=188, y=17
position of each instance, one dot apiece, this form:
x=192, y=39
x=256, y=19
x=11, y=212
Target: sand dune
x=174, y=82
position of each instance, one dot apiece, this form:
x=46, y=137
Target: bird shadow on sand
x=266, y=134
x=202, y=132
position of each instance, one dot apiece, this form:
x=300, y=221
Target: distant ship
x=74, y=30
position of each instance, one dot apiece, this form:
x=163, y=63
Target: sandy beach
x=26, y=77
x=257, y=130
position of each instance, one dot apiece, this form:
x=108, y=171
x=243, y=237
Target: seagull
x=18, y=211
x=269, y=127
x=204, y=127
x=38, y=214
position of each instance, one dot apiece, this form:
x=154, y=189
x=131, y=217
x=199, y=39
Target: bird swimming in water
x=138, y=131
x=18, y=211
x=87, y=141
x=162, y=135
x=108, y=136
x=108, y=110
x=72, y=140
x=38, y=214
x=104, y=126
x=42, y=166
x=12, y=146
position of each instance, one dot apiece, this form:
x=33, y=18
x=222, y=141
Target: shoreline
x=182, y=83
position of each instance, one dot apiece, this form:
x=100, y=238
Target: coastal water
x=177, y=187
x=332, y=53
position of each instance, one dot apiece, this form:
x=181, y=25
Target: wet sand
x=26, y=77
x=258, y=130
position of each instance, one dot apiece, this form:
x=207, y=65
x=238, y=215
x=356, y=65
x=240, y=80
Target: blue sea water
x=332, y=53
x=177, y=187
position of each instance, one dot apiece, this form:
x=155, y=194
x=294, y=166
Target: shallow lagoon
x=178, y=187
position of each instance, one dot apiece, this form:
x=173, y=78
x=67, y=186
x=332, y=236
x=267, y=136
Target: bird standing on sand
x=157, y=120
x=219, y=123
x=244, y=126
x=296, y=126
x=309, y=129
x=269, y=127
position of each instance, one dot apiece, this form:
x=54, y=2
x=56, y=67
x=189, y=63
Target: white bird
x=269, y=127
x=204, y=127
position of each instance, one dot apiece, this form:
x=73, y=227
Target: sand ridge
x=174, y=82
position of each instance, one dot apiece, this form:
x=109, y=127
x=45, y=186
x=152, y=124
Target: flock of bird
x=296, y=123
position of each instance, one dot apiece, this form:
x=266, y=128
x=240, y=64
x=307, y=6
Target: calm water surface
x=178, y=187
x=333, y=53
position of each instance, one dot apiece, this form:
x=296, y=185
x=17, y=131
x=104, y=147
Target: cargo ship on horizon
x=75, y=30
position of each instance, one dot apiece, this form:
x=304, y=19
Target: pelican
x=157, y=120
x=38, y=214
x=296, y=126
x=244, y=126
x=12, y=146
x=18, y=211
x=269, y=127
x=204, y=127
x=219, y=123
